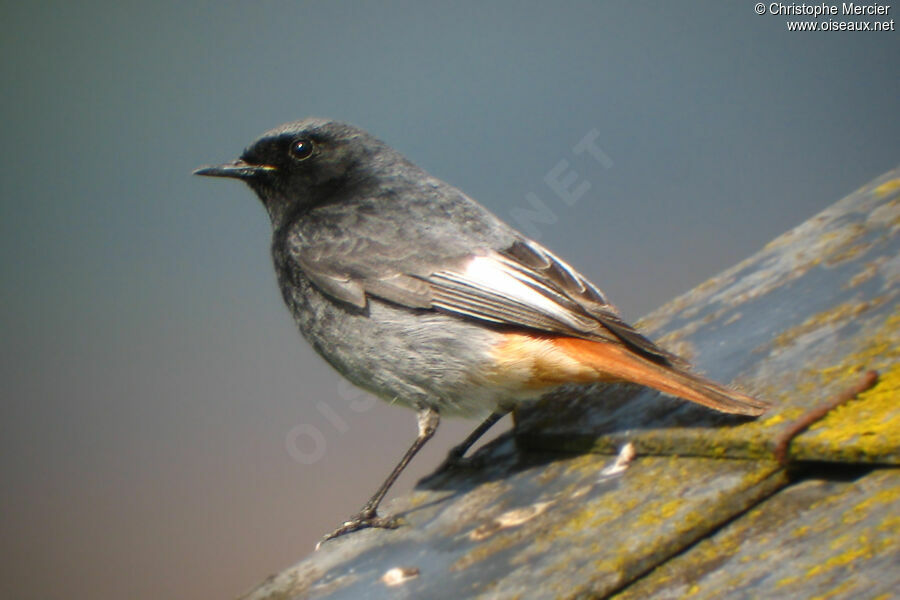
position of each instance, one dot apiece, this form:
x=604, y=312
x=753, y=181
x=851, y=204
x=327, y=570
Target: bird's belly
x=416, y=358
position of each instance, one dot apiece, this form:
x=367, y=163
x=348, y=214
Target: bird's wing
x=526, y=284
x=521, y=285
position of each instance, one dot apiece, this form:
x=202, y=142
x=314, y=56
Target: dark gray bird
x=420, y=295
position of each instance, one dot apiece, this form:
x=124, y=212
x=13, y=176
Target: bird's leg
x=428, y=420
x=456, y=454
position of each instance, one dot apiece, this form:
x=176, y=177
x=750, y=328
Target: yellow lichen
x=859, y=546
x=865, y=274
x=861, y=510
x=866, y=427
x=887, y=188
x=836, y=591
x=848, y=253
x=839, y=314
x=484, y=550
x=789, y=580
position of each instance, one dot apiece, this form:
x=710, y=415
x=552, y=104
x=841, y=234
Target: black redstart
x=420, y=295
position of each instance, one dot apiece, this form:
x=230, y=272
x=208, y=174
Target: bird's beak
x=238, y=169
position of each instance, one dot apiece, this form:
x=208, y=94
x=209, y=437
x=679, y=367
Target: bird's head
x=306, y=163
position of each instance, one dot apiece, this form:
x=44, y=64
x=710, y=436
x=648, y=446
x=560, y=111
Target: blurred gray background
x=166, y=433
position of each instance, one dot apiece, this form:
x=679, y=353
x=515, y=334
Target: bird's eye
x=302, y=148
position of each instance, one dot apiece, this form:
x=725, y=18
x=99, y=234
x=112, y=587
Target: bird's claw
x=362, y=520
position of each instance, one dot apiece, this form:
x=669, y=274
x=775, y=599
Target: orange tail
x=615, y=362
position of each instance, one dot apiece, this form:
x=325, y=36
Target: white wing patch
x=491, y=274
x=495, y=288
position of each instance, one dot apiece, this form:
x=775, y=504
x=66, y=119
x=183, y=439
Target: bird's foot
x=362, y=520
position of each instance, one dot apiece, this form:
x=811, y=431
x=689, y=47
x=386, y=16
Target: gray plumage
x=363, y=238
x=417, y=293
